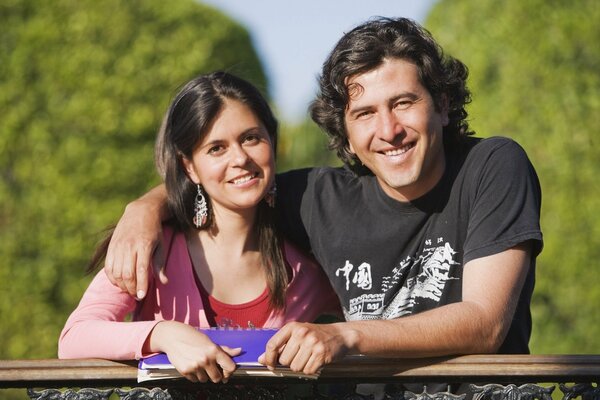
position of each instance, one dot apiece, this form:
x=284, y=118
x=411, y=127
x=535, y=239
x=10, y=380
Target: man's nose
x=389, y=126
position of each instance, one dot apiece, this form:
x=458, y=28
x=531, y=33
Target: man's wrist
x=351, y=337
x=147, y=205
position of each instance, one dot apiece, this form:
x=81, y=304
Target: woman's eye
x=215, y=149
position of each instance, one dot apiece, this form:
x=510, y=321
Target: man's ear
x=190, y=171
x=350, y=148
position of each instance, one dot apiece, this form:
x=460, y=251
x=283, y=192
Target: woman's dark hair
x=187, y=121
x=365, y=48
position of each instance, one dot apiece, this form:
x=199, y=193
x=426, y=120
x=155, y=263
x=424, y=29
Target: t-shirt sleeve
x=505, y=201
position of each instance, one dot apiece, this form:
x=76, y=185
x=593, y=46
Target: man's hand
x=192, y=353
x=136, y=244
x=307, y=347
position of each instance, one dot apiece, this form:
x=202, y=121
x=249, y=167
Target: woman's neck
x=232, y=230
x=227, y=259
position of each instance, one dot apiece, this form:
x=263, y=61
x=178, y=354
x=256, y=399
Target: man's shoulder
x=491, y=144
x=316, y=176
x=480, y=150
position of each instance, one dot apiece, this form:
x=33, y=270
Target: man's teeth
x=397, y=152
x=243, y=179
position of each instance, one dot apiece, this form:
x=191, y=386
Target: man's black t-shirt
x=387, y=259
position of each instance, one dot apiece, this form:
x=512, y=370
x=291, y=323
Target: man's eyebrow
x=357, y=110
x=404, y=95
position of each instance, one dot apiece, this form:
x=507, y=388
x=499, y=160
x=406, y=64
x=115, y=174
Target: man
x=429, y=236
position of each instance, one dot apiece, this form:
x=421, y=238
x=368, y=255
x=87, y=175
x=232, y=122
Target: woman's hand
x=192, y=353
x=135, y=240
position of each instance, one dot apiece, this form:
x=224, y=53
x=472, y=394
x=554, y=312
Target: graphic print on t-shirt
x=434, y=265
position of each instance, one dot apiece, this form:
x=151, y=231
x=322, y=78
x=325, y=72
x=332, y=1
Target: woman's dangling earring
x=200, y=209
x=271, y=195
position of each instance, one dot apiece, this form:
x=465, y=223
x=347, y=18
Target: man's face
x=395, y=130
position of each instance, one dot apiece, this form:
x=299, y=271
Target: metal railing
x=478, y=377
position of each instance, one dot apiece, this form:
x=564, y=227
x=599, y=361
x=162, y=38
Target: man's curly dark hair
x=365, y=48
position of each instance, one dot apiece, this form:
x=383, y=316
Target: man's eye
x=363, y=114
x=404, y=104
x=251, y=138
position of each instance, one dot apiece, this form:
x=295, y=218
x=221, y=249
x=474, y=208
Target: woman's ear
x=190, y=170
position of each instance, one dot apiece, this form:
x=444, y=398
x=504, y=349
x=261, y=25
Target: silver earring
x=200, y=209
x=271, y=195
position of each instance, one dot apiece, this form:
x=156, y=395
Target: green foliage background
x=535, y=76
x=83, y=85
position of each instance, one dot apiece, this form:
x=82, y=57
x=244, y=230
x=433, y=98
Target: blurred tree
x=535, y=76
x=303, y=145
x=83, y=86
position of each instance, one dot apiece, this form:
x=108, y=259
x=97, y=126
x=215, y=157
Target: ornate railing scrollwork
x=528, y=391
x=584, y=390
x=70, y=394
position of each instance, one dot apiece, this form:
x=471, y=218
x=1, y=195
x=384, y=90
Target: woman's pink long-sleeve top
x=97, y=328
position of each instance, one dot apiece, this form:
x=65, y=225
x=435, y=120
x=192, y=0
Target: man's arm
x=136, y=238
x=477, y=324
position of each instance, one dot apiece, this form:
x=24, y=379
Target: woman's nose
x=239, y=156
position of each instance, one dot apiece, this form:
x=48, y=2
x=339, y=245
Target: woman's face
x=234, y=162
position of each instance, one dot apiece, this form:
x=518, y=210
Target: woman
x=226, y=264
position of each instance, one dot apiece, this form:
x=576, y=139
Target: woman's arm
x=96, y=328
x=136, y=244
x=191, y=352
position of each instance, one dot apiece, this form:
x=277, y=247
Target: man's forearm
x=135, y=240
x=154, y=200
x=478, y=324
x=459, y=328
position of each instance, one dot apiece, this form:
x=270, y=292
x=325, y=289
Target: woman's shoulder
x=175, y=252
x=300, y=262
x=306, y=271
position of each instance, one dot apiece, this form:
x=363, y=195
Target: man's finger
x=274, y=347
x=158, y=263
x=108, y=270
x=128, y=275
x=141, y=272
x=293, y=356
x=315, y=362
x=116, y=274
x=142, y=266
x=109, y=262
